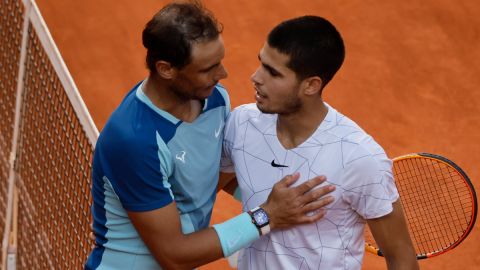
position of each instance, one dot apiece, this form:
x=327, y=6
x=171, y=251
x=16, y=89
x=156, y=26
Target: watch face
x=260, y=217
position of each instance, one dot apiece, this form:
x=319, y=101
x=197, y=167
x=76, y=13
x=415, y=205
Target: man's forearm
x=391, y=234
x=405, y=263
x=160, y=230
x=190, y=251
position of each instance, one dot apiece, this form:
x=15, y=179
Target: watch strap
x=264, y=229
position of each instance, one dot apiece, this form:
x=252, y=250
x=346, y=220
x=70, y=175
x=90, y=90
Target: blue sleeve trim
x=236, y=233
x=223, y=91
x=218, y=98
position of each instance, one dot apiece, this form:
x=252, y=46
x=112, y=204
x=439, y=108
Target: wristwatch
x=260, y=220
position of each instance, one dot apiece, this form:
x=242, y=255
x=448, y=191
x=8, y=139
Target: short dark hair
x=314, y=45
x=169, y=35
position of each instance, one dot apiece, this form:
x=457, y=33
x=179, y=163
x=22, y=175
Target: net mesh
x=11, y=21
x=53, y=155
x=53, y=167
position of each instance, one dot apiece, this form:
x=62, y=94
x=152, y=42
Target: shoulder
x=222, y=90
x=250, y=112
x=246, y=121
x=135, y=130
x=115, y=141
x=218, y=98
x=249, y=107
x=357, y=144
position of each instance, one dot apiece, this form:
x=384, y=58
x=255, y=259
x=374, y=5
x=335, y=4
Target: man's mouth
x=259, y=97
x=259, y=94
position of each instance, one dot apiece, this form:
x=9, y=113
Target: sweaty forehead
x=207, y=53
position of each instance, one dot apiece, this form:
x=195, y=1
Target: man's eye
x=272, y=72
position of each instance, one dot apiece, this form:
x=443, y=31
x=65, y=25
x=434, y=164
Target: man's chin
x=263, y=109
x=205, y=94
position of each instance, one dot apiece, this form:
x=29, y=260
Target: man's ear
x=165, y=70
x=312, y=85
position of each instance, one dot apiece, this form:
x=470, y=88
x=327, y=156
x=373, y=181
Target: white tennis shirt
x=339, y=149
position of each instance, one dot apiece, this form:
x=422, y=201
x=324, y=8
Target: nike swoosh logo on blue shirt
x=217, y=131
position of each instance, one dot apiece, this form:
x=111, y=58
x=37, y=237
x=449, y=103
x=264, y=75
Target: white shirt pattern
x=338, y=149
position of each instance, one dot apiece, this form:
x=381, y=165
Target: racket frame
x=374, y=250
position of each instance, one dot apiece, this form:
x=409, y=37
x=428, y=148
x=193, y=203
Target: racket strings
x=422, y=200
x=436, y=202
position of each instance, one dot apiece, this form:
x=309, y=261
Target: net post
x=12, y=244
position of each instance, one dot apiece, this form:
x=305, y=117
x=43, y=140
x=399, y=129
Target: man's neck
x=162, y=97
x=294, y=129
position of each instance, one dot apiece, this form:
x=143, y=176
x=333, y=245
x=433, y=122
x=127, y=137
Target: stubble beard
x=184, y=93
x=290, y=105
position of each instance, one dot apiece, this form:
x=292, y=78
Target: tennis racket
x=438, y=200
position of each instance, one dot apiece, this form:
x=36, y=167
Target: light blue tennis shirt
x=144, y=159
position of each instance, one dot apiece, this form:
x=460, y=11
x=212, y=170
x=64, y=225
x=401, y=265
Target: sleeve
x=223, y=91
x=226, y=162
x=369, y=186
x=138, y=172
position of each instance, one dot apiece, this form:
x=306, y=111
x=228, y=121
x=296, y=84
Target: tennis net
x=46, y=146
